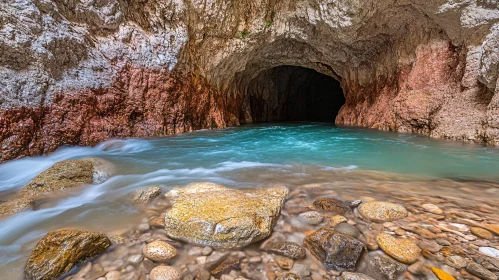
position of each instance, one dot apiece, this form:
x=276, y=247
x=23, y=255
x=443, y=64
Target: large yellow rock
x=62, y=175
x=59, y=251
x=403, y=250
x=213, y=215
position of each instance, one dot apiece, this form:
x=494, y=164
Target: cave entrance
x=292, y=93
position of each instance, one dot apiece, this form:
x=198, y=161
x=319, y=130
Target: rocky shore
x=315, y=231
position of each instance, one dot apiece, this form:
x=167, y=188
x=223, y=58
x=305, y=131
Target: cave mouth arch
x=294, y=93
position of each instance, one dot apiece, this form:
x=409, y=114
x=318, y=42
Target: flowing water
x=294, y=154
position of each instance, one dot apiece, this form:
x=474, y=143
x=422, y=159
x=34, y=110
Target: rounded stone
x=432, y=208
x=159, y=251
x=347, y=229
x=311, y=217
x=379, y=211
x=335, y=220
x=482, y=233
x=403, y=250
x=164, y=273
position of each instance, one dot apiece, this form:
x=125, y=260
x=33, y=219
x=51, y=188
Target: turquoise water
x=292, y=154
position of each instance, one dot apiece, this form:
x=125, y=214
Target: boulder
x=335, y=250
x=15, y=206
x=62, y=175
x=59, y=251
x=213, y=215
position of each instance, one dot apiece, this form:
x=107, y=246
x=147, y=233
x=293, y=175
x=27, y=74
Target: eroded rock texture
x=79, y=72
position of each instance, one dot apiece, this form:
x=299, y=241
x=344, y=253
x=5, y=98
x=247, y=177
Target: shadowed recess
x=291, y=93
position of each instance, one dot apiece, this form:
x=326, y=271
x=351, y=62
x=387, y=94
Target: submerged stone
x=331, y=204
x=62, y=175
x=146, y=194
x=288, y=249
x=379, y=211
x=59, y=251
x=335, y=250
x=403, y=250
x=210, y=214
x=15, y=206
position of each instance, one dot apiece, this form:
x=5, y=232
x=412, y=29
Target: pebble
x=283, y=262
x=347, y=229
x=335, y=220
x=113, y=275
x=311, y=217
x=431, y=246
x=301, y=270
x=206, y=251
x=482, y=233
x=381, y=266
x=288, y=249
x=146, y=194
x=457, y=262
x=432, y=208
x=442, y=275
x=489, y=251
x=331, y=204
x=379, y=211
x=135, y=259
x=493, y=228
x=355, y=276
x=403, y=250
x=164, y=273
x=443, y=242
x=289, y=276
x=158, y=222
x=143, y=228
x=480, y=271
x=159, y=251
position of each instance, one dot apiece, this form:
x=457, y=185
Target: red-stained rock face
x=141, y=103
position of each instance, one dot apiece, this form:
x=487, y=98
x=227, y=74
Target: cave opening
x=293, y=93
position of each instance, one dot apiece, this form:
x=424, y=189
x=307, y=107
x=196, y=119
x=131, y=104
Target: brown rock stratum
x=78, y=73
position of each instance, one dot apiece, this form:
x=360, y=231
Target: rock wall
x=78, y=72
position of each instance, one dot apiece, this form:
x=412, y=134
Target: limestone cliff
x=81, y=71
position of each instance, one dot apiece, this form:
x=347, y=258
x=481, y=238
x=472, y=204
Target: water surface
x=291, y=154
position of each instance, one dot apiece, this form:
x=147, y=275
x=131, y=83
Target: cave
x=293, y=93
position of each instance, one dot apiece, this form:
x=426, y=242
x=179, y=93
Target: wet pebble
x=403, y=250
x=379, y=211
x=480, y=271
x=482, y=233
x=355, y=276
x=301, y=270
x=164, y=273
x=347, y=229
x=159, y=251
x=432, y=208
x=288, y=249
x=489, y=251
x=311, y=217
x=457, y=262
